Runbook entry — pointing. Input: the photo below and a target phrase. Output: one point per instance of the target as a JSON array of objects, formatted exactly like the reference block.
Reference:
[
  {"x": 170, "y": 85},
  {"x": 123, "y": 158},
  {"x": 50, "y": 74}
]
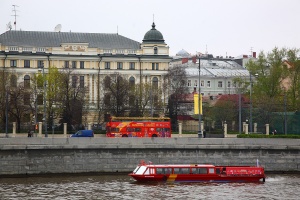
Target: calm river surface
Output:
[{"x": 123, "y": 187}]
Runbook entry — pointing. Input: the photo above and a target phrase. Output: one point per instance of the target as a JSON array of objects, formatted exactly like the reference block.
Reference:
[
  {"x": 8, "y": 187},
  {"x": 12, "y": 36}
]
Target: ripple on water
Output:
[{"x": 123, "y": 187}]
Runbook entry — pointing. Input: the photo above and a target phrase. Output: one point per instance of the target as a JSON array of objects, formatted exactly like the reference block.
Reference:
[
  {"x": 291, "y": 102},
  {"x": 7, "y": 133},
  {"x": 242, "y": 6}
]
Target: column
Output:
[
  {"x": 14, "y": 128},
  {"x": 255, "y": 128},
  {"x": 89, "y": 126},
  {"x": 233, "y": 125},
  {"x": 180, "y": 128},
  {"x": 65, "y": 129},
  {"x": 267, "y": 129},
  {"x": 225, "y": 130},
  {"x": 244, "y": 126},
  {"x": 40, "y": 128}
]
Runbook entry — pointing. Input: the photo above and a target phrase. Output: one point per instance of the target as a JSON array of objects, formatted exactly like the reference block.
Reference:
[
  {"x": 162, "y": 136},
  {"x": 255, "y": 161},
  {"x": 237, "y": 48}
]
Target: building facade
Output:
[{"x": 92, "y": 57}]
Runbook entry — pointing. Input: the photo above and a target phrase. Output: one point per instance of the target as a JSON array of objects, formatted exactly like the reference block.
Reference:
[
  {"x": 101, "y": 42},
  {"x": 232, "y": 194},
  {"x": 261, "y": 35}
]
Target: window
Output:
[
  {"x": 13, "y": 81},
  {"x": 220, "y": 84},
  {"x": 163, "y": 170},
  {"x": 81, "y": 64},
  {"x": 39, "y": 99},
  {"x": 131, "y": 82},
  {"x": 202, "y": 83},
  {"x": 119, "y": 65},
  {"x": 155, "y": 50},
  {"x": 81, "y": 82},
  {"x": 228, "y": 84},
  {"x": 208, "y": 84},
  {"x": 131, "y": 100},
  {"x": 155, "y": 66},
  {"x": 199, "y": 170},
  {"x": 26, "y": 63},
  {"x": 189, "y": 83},
  {"x": 132, "y": 65},
  {"x": 74, "y": 81},
  {"x": 13, "y": 63},
  {"x": 40, "y": 63},
  {"x": 195, "y": 83},
  {"x": 234, "y": 84},
  {"x": 107, "y": 65},
  {"x": 66, "y": 64},
  {"x": 26, "y": 98},
  {"x": 181, "y": 170},
  {"x": 155, "y": 83},
  {"x": 26, "y": 81},
  {"x": 73, "y": 64}
]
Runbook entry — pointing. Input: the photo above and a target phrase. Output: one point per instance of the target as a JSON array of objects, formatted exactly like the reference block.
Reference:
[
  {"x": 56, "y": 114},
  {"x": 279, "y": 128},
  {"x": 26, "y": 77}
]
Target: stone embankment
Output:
[{"x": 29, "y": 156}]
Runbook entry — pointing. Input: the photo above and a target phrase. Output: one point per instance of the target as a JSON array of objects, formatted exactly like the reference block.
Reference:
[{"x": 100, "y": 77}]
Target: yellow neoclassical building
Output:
[{"x": 92, "y": 56}]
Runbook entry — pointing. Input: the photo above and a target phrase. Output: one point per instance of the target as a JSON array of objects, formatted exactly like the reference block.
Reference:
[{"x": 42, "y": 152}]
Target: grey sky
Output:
[{"x": 224, "y": 26}]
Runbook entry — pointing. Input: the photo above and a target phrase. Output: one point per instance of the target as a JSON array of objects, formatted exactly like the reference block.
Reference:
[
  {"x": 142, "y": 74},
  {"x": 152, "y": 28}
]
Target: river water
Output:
[{"x": 124, "y": 187}]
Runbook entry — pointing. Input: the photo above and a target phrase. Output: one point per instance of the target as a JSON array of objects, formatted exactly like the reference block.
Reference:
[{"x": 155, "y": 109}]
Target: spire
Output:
[{"x": 153, "y": 26}]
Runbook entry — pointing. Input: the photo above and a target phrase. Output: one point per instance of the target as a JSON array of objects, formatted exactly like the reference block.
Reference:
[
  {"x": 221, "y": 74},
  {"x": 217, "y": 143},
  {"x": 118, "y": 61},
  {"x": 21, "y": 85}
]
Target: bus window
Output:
[
  {"x": 138, "y": 129},
  {"x": 130, "y": 129},
  {"x": 158, "y": 129},
  {"x": 114, "y": 129}
]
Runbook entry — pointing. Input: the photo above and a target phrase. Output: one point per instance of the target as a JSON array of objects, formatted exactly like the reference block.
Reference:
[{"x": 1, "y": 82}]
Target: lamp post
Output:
[
  {"x": 251, "y": 106},
  {"x": 250, "y": 120},
  {"x": 6, "y": 112},
  {"x": 199, "y": 109},
  {"x": 285, "y": 117},
  {"x": 45, "y": 120}
]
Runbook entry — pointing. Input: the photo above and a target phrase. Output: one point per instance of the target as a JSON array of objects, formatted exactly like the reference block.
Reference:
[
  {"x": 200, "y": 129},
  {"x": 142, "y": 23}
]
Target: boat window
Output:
[
  {"x": 152, "y": 171},
  {"x": 211, "y": 170},
  {"x": 147, "y": 172},
  {"x": 163, "y": 170},
  {"x": 218, "y": 171},
  {"x": 199, "y": 170},
  {"x": 181, "y": 170},
  {"x": 136, "y": 169},
  {"x": 141, "y": 170}
]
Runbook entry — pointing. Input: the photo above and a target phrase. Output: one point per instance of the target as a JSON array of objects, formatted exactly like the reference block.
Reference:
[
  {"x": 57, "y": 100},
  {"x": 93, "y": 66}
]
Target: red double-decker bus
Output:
[{"x": 138, "y": 127}]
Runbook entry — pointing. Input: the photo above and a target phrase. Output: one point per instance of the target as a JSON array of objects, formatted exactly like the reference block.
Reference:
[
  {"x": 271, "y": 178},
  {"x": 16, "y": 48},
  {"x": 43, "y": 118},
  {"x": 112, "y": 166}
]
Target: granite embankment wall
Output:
[{"x": 21, "y": 156}]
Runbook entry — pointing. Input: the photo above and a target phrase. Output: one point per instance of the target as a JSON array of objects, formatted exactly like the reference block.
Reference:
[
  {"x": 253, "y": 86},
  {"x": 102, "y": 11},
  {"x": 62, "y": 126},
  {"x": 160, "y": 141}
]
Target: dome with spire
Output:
[
  {"x": 183, "y": 53},
  {"x": 153, "y": 36}
]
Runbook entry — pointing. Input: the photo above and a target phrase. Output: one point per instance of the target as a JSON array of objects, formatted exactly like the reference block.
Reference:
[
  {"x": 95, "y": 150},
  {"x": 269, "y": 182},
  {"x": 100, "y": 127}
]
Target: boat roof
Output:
[{"x": 178, "y": 165}]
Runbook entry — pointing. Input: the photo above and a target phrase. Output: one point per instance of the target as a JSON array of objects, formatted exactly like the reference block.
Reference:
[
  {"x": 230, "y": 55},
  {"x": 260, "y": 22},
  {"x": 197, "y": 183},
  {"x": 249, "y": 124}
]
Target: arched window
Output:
[
  {"x": 107, "y": 81},
  {"x": 155, "y": 83},
  {"x": 155, "y": 50},
  {"x": 131, "y": 81},
  {"x": 26, "y": 81},
  {"x": 13, "y": 81}
]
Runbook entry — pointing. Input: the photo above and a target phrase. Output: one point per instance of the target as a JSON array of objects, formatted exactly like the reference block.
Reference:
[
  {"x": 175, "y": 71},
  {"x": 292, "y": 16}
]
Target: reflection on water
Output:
[{"x": 123, "y": 187}]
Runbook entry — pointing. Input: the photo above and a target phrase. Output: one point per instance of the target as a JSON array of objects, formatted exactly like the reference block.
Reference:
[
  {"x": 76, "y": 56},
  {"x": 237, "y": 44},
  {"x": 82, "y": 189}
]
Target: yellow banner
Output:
[{"x": 197, "y": 102}]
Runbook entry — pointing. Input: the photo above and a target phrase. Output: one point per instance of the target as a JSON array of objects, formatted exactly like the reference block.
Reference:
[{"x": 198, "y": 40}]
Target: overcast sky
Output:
[{"x": 222, "y": 27}]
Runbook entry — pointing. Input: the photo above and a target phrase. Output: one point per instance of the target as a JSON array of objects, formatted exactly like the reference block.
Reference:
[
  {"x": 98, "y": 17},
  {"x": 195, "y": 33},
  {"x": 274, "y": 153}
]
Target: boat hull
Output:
[{"x": 197, "y": 178}]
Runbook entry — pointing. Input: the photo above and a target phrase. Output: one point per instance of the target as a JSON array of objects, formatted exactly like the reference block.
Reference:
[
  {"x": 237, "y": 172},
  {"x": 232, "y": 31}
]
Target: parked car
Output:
[{"x": 83, "y": 133}]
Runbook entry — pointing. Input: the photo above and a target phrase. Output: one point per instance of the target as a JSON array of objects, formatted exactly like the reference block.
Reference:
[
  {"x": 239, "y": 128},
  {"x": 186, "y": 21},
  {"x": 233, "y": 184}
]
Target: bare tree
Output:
[{"x": 116, "y": 94}]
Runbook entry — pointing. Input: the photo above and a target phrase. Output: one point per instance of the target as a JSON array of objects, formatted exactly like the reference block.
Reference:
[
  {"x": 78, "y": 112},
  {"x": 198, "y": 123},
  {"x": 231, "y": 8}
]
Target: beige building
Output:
[{"x": 92, "y": 56}]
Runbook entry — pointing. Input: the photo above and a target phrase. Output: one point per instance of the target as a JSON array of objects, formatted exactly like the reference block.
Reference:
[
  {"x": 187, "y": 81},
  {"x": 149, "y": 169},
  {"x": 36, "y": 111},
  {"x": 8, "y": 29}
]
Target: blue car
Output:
[{"x": 83, "y": 133}]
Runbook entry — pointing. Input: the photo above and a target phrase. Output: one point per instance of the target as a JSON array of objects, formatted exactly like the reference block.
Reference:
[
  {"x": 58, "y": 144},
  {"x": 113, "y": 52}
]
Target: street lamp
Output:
[
  {"x": 6, "y": 112},
  {"x": 250, "y": 120},
  {"x": 199, "y": 109},
  {"x": 251, "y": 83},
  {"x": 44, "y": 118}
]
